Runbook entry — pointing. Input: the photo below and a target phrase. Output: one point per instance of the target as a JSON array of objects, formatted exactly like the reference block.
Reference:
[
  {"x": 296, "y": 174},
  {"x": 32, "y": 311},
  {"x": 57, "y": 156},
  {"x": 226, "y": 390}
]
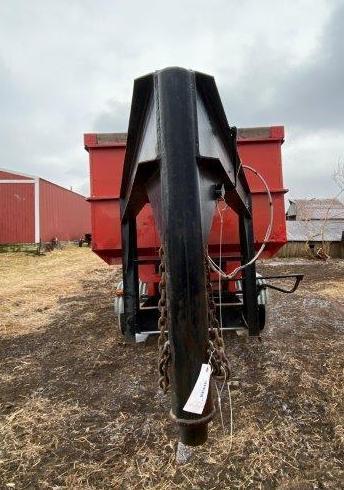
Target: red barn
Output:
[{"x": 33, "y": 209}]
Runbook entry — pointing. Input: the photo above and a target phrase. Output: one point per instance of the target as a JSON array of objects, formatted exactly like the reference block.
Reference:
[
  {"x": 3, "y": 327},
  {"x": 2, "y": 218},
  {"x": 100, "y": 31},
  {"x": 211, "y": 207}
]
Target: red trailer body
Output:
[
  {"x": 259, "y": 148},
  {"x": 33, "y": 209}
]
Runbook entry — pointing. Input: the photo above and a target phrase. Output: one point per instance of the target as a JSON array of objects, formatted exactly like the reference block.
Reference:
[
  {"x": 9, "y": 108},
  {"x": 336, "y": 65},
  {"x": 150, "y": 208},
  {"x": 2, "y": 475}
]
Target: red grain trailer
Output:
[
  {"x": 34, "y": 209},
  {"x": 187, "y": 203},
  {"x": 259, "y": 148}
]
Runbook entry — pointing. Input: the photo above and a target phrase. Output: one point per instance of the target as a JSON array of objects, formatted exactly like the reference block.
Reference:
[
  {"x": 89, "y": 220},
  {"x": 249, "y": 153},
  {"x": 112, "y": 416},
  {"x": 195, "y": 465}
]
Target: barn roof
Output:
[
  {"x": 8, "y": 175},
  {"x": 315, "y": 231},
  {"x": 315, "y": 209}
]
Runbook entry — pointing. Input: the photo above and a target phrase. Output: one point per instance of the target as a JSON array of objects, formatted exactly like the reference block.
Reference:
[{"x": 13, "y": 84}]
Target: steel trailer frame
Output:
[{"x": 181, "y": 152}]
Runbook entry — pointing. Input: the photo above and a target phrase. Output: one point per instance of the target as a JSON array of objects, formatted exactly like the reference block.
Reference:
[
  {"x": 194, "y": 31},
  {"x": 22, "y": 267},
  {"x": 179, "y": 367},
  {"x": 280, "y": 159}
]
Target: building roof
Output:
[
  {"x": 315, "y": 209},
  {"x": 8, "y": 175},
  {"x": 315, "y": 231}
]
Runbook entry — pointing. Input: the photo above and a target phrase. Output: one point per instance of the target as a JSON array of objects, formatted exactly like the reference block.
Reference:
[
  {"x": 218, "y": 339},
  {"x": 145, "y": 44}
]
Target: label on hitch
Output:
[{"x": 199, "y": 394}]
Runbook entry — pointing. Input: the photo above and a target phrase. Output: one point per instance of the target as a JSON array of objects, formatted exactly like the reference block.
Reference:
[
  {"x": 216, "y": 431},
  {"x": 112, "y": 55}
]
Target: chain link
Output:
[
  {"x": 217, "y": 357},
  {"x": 163, "y": 342}
]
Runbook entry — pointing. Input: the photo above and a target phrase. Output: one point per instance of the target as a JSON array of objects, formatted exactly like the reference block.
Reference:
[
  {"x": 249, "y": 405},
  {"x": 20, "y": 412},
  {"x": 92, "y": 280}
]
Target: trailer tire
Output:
[{"x": 119, "y": 303}]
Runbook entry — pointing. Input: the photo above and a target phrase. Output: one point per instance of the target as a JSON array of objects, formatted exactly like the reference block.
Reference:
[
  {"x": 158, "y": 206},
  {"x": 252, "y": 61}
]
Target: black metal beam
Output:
[
  {"x": 130, "y": 278},
  {"x": 215, "y": 139},
  {"x": 249, "y": 284},
  {"x": 184, "y": 247},
  {"x": 179, "y": 148}
]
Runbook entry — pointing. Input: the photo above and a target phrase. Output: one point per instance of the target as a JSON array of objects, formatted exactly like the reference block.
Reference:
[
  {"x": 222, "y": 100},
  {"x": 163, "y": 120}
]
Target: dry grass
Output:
[
  {"x": 30, "y": 433},
  {"x": 81, "y": 410},
  {"x": 334, "y": 290},
  {"x": 31, "y": 286}
]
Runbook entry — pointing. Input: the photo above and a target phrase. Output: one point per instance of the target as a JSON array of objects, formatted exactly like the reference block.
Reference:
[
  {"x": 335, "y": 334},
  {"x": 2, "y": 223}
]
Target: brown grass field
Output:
[{"x": 79, "y": 409}]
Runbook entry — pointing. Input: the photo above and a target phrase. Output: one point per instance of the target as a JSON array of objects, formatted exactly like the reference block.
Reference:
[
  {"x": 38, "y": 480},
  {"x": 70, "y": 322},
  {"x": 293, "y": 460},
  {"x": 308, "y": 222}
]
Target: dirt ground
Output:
[{"x": 79, "y": 409}]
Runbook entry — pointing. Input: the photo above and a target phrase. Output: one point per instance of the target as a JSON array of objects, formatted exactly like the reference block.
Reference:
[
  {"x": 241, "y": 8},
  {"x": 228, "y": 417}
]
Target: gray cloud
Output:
[
  {"x": 68, "y": 67},
  {"x": 115, "y": 118},
  {"x": 311, "y": 96},
  {"x": 308, "y": 95}
]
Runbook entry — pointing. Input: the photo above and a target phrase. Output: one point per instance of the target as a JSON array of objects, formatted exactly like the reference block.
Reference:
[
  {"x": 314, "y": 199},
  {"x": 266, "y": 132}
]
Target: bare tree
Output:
[
  {"x": 338, "y": 177},
  {"x": 323, "y": 252}
]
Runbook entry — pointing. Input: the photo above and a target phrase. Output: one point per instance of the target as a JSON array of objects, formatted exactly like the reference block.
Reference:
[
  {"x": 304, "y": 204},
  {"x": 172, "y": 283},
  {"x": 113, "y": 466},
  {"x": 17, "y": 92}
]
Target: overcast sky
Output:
[{"x": 67, "y": 67}]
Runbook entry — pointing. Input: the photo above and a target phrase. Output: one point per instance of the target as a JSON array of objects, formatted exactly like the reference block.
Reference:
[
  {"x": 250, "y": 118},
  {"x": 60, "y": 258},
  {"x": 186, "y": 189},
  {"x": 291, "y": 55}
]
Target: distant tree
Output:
[
  {"x": 323, "y": 252},
  {"x": 338, "y": 177}
]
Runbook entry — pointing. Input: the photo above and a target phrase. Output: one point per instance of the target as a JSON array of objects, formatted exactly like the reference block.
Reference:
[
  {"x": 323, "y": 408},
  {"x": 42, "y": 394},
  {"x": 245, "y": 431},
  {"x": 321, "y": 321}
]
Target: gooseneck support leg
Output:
[
  {"x": 184, "y": 251},
  {"x": 179, "y": 149}
]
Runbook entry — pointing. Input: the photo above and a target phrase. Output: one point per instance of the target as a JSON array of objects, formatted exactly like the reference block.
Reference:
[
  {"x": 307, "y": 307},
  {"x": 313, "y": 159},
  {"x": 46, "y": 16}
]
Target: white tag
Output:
[{"x": 199, "y": 394}]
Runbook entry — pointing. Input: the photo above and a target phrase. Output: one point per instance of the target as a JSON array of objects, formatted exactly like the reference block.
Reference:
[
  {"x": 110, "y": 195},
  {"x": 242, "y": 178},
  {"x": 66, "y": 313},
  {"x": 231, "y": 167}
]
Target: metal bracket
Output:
[{"x": 298, "y": 278}]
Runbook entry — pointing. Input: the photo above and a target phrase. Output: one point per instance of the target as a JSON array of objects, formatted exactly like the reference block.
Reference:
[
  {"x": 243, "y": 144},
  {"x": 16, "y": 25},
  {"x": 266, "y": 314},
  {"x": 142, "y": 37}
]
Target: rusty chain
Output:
[
  {"x": 217, "y": 357},
  {"x": 163, "y": 342}
]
